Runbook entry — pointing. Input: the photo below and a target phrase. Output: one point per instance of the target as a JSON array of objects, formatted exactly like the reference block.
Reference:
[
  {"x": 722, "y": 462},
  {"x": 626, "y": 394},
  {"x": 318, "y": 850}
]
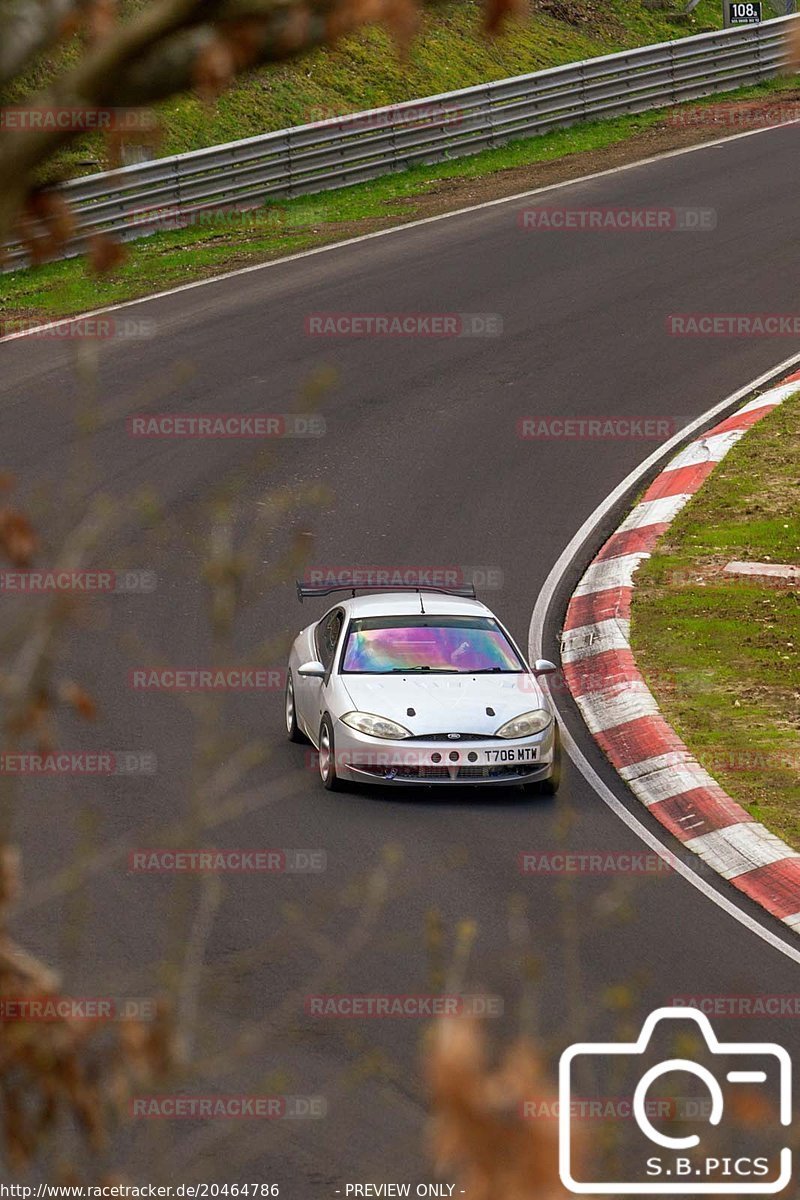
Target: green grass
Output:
[
  {"x": 720, "y": 655},
  {"x": 168, "y": 259},
  {"x": 365, "y": 70}
]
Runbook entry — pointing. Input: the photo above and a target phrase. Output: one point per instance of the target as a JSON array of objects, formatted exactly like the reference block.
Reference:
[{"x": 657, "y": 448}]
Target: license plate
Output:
[{"x": 513, "y": 754}]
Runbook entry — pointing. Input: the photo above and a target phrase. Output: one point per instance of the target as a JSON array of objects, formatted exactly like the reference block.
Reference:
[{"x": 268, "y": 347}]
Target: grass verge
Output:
[
  {"x": 720, "y": 655},
  {"x": 366, "y": 71},
  {"x": 228, "y": 241}
]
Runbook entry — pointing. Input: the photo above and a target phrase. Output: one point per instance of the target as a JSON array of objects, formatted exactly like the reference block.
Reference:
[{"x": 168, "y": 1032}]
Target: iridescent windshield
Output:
[{"x": 380, "y": 645}]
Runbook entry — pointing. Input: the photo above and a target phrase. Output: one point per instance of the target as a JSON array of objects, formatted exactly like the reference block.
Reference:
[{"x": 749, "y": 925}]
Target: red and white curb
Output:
[{"x": 622, "y": 713}]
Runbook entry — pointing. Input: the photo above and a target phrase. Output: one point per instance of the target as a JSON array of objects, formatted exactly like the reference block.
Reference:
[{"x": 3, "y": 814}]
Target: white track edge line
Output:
[
  {"x": 378, "y": 233},
  {"x": 677, "y": 864},
  {"x": 536, "y": 637}
]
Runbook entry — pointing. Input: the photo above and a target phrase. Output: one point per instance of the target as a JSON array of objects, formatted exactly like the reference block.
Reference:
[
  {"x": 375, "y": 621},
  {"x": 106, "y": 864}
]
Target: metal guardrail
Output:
[{"x": 173, "y": 192}]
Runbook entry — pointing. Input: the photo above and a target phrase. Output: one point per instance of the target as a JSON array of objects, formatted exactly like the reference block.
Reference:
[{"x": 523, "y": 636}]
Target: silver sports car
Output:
[{"x": 419, "y": 686}]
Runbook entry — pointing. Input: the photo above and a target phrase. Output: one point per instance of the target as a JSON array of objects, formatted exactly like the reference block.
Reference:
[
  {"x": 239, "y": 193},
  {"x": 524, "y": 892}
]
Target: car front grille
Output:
[
  {"x": 448, "y": 737},
  {"x": 419, "y": 774}
]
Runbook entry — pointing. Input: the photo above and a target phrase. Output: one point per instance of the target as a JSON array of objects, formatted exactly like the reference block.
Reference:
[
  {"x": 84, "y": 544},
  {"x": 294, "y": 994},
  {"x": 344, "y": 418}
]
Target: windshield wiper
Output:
[{"x": 410, "y": 670}]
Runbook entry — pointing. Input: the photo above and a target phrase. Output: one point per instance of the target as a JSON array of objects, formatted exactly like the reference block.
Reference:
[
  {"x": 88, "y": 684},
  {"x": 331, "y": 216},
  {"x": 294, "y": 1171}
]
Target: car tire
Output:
[
  {"x": 549, "y": 786},
  {"x": 293, "y": 730},
  {"x": 327, "y": 756}
]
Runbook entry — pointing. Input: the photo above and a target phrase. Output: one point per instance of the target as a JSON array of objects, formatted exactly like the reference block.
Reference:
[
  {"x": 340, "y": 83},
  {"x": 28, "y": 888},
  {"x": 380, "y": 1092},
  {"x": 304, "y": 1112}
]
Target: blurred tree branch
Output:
[
  {"x": 30, "y": 27},
  {"x": 169, "y": 47}
]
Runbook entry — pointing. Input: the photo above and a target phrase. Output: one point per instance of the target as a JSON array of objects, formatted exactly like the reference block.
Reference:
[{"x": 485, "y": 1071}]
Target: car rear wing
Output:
[{"x": 305, "y": 592}]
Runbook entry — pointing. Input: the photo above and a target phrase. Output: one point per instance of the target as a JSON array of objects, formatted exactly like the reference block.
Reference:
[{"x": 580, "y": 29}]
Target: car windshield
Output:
[{"x": 440, "y": 645}]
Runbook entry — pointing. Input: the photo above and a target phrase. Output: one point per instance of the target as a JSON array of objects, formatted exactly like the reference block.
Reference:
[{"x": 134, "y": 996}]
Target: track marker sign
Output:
[{"x": 743, "y": 12}]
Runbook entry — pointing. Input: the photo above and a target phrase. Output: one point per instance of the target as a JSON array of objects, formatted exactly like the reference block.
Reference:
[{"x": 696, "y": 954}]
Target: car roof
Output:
[{"x": 407, "y": 604}]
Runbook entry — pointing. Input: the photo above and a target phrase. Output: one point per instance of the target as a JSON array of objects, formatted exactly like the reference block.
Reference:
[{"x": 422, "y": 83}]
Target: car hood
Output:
[{"x": 445, "y": 703}]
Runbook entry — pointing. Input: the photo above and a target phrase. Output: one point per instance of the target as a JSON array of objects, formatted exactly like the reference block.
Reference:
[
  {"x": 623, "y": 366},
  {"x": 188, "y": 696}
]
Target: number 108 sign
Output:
[{"x": 743, "y": 13}]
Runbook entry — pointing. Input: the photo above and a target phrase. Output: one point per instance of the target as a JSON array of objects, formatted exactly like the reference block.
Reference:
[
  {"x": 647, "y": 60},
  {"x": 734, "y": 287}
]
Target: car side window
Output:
[{"x": 327, "y": 636}]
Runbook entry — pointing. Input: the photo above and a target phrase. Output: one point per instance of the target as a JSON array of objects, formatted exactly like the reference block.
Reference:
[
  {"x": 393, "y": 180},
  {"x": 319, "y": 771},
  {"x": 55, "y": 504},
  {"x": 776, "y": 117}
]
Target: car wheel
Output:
[
  {"x": 293, "y": 731},
  {"x": 327, "y": 756},
  {"x": 549, "y": 787}
]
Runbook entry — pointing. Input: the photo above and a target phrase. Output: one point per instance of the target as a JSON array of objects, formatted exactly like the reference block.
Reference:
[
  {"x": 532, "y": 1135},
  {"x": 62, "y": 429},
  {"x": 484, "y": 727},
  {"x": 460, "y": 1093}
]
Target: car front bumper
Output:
[{"x": 441, "y": 761}]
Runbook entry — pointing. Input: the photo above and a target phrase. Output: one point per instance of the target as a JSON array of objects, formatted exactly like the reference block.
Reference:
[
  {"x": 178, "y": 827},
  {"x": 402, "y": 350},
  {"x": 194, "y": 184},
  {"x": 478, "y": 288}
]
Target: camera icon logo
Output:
[{"x": 687, "y": 1164}]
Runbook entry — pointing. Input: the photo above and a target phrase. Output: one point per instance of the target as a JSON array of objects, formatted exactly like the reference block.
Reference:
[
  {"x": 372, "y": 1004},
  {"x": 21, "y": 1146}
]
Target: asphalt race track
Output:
[{"x": 423, "y": 467}]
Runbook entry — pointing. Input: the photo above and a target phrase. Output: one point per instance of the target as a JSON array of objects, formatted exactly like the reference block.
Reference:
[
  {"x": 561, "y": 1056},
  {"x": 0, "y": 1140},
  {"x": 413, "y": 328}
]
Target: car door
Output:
[{"x": 326, "y": 639}]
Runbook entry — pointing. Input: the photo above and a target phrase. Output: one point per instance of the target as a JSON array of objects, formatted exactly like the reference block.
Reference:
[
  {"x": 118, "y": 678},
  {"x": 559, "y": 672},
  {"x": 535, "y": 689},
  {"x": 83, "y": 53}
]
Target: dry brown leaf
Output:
[
  {"x": 61, "y": 1068},
  {"x": 245, "y": 39},
  {"x": 79, "y": 699},
  {"x": 25, "y": 229},
  {"x": 101, "y": 20},
  {"x": 296, "y": 28},
  {"x": 10, "y": 874},
  {"x": 750, "y": 1106},
  {"x": 70, "y": 24},
  {"x": 59, "y": 218},
  {"x": 105, "y": 253},
  {"x": 213, "y": 70},
  {"x": 794, "y": 45},
  {"x": 478, "y": 1129},
  {"x": 45, "y": 224},
  {"x": 349, "y": 14},
  {"x": 18, "y": 539},
  {"x": 402, "y": 19},
  {"x": 499, "y": 11}
]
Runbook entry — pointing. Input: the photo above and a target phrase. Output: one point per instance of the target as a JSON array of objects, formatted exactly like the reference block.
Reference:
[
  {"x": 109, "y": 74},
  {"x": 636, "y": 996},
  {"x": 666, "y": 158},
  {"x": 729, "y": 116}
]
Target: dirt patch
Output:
[{"x": 572, "y": 12}]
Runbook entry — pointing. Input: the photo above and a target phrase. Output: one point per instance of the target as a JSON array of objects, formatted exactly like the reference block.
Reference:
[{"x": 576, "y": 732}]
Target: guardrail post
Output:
[
  {"x": 176, "y": 174},
  {"x": 393, "y": 131},
  {"x": 488, "y": 101},
  {"x": 760, "y": 51}
]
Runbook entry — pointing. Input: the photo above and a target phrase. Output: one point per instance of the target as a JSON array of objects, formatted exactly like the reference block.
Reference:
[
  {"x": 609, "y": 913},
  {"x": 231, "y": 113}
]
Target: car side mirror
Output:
[
  {"x": 312, "y": 670},
  {"x": 543, "y": 666}
]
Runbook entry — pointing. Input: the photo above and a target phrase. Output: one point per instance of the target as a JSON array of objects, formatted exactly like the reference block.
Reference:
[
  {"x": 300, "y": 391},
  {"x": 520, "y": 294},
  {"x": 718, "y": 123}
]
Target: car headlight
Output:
[
  {"x": 380, "y": 727},
  {"x": 526, "y": 725}
]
